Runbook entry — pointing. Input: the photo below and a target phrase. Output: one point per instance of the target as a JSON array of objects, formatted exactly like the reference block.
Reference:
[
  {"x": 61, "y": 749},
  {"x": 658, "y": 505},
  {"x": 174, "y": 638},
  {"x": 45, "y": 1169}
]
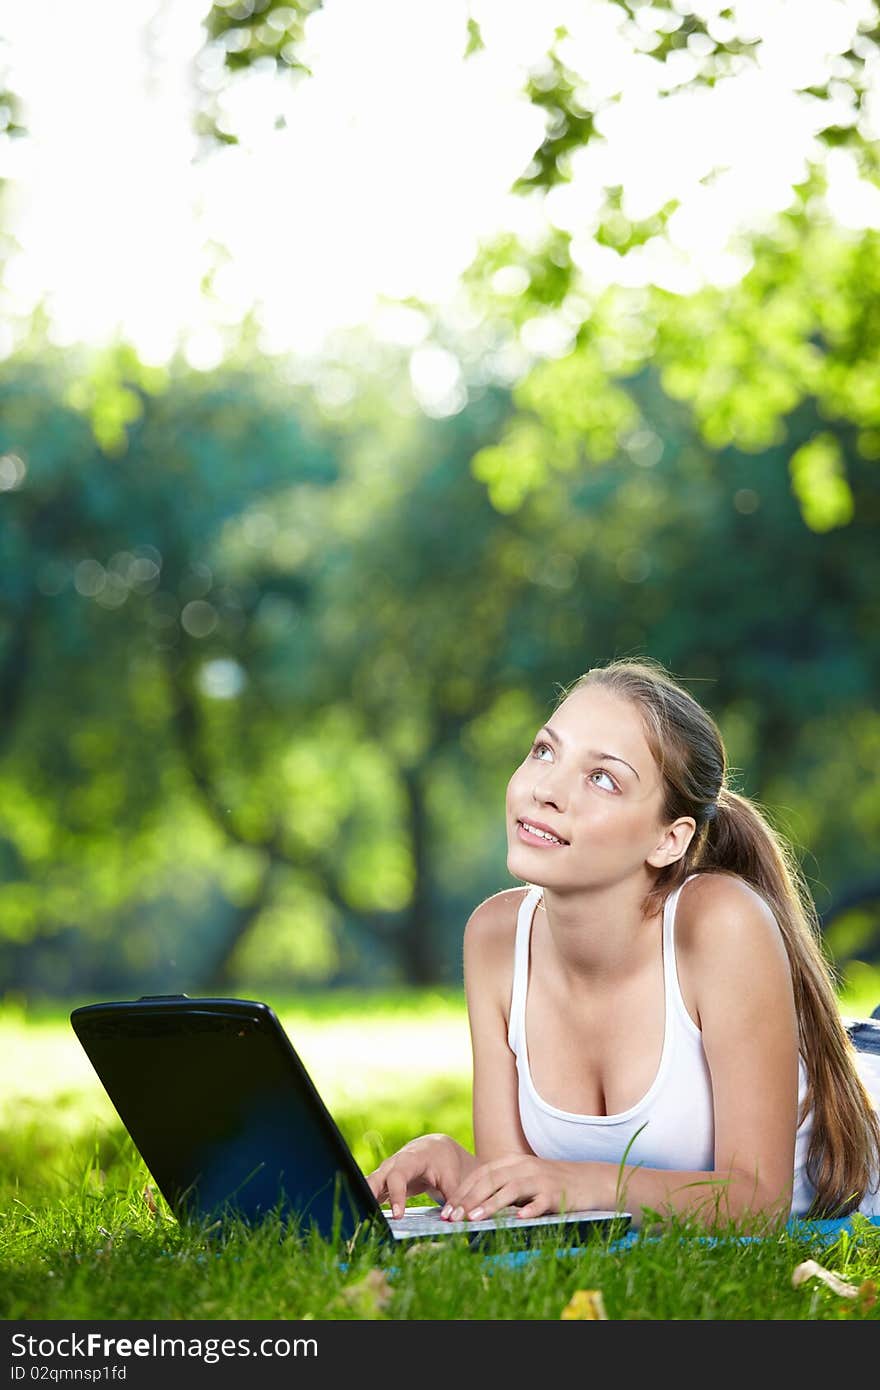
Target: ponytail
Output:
[
  {"x": 738, "y": 839},
  {"x": 844, "y": 1148}
]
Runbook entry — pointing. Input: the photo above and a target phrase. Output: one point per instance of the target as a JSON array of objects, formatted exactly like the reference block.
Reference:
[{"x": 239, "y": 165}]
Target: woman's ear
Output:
[{"x": 674, "y": 843}]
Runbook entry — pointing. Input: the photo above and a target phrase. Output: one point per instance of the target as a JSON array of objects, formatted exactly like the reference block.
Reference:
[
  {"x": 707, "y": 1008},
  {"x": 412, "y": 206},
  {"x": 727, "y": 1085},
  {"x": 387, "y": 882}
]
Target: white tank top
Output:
[{"x": 672, "y": 1126}]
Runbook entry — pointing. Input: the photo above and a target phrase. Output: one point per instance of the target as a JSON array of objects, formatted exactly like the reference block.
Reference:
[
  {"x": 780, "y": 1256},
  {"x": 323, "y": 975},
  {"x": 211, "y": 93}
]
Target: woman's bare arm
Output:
[
  {"x": 436, "y": 1163},
  {"x": 488, "y": 976},
  {"x": 732, "y": 949}
]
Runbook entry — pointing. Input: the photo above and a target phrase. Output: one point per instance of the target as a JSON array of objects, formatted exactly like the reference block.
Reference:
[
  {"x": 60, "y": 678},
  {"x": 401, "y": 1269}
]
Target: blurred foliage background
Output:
[{"x": 269, "y": 654}]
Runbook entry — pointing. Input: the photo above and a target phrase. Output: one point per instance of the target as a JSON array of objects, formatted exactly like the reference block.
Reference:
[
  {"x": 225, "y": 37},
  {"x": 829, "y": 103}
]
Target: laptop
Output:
[{"x": 229, "y": 1123}]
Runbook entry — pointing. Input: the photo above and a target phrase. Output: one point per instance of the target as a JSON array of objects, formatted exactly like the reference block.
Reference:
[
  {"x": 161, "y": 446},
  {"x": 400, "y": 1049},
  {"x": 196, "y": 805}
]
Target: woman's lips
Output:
[{"x": 529, "y": 839}]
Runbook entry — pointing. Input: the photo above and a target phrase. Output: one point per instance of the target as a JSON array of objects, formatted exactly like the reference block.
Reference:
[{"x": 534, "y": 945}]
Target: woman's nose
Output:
[{"x": 546, "y": 789}]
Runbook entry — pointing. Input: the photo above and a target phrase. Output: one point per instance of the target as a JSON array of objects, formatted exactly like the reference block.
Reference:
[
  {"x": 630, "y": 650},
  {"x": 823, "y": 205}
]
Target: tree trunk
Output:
[
  {"x": 416, "y": 951},
  {"x": 217, "y": 975}
]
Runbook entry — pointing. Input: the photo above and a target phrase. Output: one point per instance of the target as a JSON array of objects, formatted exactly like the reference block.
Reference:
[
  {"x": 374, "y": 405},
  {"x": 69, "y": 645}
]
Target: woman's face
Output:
[{"x": 595, "y": 786}]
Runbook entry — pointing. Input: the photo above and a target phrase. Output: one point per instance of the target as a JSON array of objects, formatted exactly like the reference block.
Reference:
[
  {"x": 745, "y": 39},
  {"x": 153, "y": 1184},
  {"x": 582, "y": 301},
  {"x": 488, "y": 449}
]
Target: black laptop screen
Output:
[{"x": 222, "y": 1112}]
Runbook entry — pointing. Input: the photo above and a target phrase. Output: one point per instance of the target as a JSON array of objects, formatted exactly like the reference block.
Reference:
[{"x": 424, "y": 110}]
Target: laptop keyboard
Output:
[{"x": 425, "y": 1221}]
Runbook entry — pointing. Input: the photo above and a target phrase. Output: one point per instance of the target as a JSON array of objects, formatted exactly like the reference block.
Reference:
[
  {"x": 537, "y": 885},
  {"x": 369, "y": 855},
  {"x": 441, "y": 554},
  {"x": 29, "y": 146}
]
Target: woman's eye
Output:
[
  {"x": 538, "y": 747},
  {"x": 600, "y": 772}
]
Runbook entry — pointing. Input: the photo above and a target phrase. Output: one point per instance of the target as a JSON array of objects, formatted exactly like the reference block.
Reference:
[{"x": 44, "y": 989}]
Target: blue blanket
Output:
[{"x": 826, "y": 1232}]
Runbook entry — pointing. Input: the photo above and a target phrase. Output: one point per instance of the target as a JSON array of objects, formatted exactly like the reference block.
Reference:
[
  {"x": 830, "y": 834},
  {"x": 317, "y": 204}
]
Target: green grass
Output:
[{"x": 78, "y": 1240}]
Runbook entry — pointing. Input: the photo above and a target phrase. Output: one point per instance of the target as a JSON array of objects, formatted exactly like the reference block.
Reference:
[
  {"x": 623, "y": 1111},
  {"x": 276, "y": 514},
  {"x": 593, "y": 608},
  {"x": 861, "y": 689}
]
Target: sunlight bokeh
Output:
[{"x": 373, "y": 179}]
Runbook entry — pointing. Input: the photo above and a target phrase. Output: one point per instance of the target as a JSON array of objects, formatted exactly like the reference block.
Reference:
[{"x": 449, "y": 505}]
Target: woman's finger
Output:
[
  {"x": 398, "y": 1167},
  {"x": 539, "y": 1206},
  {"x": 481, "y": 1183},
  {"x": 397, "y": 1189},
  {"x": 477, "y": 1185},
  {"x": 503, "y": 1196}
]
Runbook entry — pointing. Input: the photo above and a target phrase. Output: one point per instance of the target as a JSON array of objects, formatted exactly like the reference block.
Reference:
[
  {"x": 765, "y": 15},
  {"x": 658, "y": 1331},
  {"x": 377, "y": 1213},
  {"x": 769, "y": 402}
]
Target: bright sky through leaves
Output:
[{"x": 394, "y": 158}]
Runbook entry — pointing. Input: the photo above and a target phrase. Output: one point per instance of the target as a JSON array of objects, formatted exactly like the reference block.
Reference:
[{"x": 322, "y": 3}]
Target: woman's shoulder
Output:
[
  {"x": 718, "y": 912},
  {"x": 489, "y": 940},
  {"x": 491, "y": 926}
]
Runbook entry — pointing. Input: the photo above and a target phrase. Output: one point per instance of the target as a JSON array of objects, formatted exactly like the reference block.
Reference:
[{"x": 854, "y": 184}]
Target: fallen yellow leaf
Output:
[
  {"x": 811, "y": 1269},
  {"x": 586, "y": 1304}
]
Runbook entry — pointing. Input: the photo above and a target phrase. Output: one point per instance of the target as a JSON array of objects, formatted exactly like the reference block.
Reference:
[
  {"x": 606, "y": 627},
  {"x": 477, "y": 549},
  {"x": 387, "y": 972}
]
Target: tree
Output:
[
  {"x": 276, "y": 685},
  {"x": 264, "y": 675},
  {"x": 796, "y": 327}
]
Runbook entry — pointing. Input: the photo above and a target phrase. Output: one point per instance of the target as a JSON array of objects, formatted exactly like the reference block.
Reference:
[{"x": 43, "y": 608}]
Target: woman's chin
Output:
[{"x": 521, "y": 865}]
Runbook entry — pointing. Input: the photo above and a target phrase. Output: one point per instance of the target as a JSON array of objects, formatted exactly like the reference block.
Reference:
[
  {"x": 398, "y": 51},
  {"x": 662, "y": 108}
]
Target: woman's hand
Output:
[
  {"x": 434, "y": 1163},
  {"x": 537, "y": 1185}
]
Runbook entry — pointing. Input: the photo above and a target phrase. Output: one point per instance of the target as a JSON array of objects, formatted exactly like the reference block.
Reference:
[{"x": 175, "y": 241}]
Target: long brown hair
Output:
[{"x": 734, "y": 836}]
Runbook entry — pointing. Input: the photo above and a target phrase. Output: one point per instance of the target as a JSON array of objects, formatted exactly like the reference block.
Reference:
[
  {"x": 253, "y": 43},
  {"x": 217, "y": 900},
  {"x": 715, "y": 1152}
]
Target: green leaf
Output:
[
  {"x": 818, "y": 479},
  {"x": 475, "y": 38}
]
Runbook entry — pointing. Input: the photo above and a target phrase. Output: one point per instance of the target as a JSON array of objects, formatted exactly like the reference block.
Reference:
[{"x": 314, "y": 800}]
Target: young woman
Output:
[{"x": 654, "y": 1026}]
